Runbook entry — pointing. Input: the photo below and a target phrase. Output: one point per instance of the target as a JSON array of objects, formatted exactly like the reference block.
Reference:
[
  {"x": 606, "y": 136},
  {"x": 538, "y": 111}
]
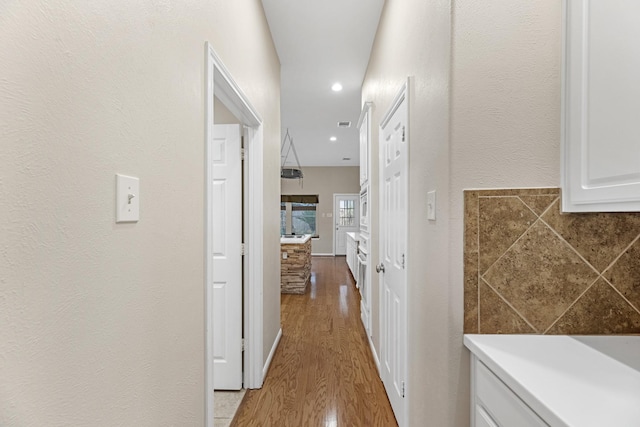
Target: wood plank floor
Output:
[{"x": 323, "y": 373}]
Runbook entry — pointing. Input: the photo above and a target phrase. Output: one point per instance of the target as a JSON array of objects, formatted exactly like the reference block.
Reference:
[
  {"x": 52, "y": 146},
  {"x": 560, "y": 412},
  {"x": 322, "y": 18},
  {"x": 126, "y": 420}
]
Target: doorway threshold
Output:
[{"x": 225, "y": 406}]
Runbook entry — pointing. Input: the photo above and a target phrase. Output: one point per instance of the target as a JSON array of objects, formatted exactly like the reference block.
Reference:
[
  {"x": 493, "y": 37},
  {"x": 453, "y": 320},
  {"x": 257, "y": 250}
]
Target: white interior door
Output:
[
  {"x": 227, "y": 258},
  {"x": 346, "y": 219},
  {"x": 393, "y": 244}
]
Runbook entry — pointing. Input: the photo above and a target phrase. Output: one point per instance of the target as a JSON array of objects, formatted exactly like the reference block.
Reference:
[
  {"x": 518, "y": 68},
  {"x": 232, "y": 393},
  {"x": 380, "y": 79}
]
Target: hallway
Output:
[{"x": 323, "y": 373}]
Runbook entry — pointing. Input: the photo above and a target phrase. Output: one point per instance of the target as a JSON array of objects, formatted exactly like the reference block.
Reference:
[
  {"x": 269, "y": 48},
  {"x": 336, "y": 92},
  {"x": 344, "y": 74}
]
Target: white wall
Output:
[
  {"x": 222, "y": 115},
  {"x": 413, "y": 39},
  {"x": 103, "y": 323},
  {"x": 496, "y": 65},
  {"x": 505, "y": 121}
]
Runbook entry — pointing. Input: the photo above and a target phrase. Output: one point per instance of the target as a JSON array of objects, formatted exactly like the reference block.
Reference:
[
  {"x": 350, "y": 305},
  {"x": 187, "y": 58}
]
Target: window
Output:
[
  {"x": 303, "y": 214},
  {"x": 347, "y": 213},
  {"x": 303, "y": 218}
]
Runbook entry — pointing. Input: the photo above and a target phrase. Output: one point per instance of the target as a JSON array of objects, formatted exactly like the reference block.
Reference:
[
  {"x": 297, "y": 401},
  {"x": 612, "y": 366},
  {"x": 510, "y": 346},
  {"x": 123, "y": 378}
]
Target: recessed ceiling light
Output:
[
  {"x": 337, "y": 87},
  {"x": 333, "y": 138}
]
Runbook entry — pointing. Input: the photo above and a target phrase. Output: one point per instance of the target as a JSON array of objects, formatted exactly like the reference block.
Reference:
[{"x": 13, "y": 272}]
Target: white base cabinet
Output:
[
  {"x": 494, "y": 404},
  {"x": 554, "y": 380},
  {"x": 352, "y": 254}
]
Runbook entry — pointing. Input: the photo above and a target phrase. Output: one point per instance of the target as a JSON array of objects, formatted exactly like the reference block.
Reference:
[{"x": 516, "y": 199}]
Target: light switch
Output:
[
  {"x": 431, "y": 205},
  {"x": 127, "y": 198}
]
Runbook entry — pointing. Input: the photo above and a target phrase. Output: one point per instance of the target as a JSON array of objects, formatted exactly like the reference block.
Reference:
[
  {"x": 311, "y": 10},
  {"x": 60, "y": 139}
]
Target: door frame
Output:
[
  {"x": 402, "y": 95},
  {"x": 219, "y": 83},
  {"x": 335, "y": 218}
]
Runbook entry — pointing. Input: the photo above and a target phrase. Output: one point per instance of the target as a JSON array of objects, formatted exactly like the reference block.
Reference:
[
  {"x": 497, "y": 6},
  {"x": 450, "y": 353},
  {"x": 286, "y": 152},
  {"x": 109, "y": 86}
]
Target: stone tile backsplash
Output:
[{"x": 528, "y": 268}]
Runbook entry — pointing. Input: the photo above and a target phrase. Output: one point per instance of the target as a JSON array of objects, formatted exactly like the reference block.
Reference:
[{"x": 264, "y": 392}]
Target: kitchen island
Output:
[{"x": 295, "y": 263}]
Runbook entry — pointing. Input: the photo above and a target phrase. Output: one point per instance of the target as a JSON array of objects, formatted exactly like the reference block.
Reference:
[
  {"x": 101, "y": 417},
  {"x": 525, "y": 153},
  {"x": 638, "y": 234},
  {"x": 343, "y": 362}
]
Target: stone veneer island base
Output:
[{"x": 295, "y": 269}]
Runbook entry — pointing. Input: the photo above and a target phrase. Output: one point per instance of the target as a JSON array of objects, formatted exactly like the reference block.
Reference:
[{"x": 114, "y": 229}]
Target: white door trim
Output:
[
  {"x": 402, "y": 95},
  {"x": 335, "y": 218},
  {"x": 219, "y": 83}
]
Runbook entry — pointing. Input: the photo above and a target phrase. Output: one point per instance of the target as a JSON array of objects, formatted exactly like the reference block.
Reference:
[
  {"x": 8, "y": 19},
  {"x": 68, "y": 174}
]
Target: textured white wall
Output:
[
  {"x": 413, "y": 39},
  {"x": 222, "y": 115},
  {"x": 496, "y": 64},
  {"x": 505, "y": 118},
  {"x": 103, "y": 323}
]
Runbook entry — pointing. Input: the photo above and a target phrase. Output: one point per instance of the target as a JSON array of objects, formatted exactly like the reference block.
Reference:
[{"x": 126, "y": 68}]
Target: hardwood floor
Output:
[{"x": 323, "y": 373}]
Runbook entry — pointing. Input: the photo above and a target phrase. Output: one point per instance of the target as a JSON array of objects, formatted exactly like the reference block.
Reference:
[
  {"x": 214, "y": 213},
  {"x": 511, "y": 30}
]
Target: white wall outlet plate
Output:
[
  {"x": 431, "y": 205},
  {"x": 127, "y": 198}
]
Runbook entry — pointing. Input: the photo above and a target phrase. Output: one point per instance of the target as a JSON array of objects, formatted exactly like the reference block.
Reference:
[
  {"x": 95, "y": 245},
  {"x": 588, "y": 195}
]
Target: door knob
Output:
[{"x": 380, "y": 267}]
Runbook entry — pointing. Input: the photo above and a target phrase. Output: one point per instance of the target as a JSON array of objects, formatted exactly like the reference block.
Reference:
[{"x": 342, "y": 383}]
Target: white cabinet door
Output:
[
  {"x": 350, "y": 250},
  {"x": 393, "y": 243},
  {"x": 483, "y": 419},
  {"x": 227, "y": 258},
  {"x": 364, "y": 147},
  {"x": 601, "y": 106},
  {"x": 495, "y": 402}
]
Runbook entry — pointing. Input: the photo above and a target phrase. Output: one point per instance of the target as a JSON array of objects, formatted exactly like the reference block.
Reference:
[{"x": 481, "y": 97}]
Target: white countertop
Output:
[
  {"x": 353, "y": 234},
  {"x": 297, "y": 239},
  {"x": 578, "y": 381}
]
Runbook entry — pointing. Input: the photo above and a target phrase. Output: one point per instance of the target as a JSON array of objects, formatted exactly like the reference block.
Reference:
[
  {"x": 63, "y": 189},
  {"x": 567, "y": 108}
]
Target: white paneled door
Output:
[
  {"x": 227, "y": 258},
  {"x": 346, "y": 216},
  {"x": 393, "y": 245}
]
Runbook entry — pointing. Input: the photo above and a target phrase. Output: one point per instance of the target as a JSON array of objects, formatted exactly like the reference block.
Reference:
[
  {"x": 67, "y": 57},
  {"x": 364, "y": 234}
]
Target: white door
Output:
[
  {"x": 393, "y": 244},
  {"x": 346, "y": 219},
  {"x": 227, "y": 258}
]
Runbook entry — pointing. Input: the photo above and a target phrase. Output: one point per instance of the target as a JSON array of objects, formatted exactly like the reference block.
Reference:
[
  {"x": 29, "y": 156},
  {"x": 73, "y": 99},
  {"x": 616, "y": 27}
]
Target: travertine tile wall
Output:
[{"x": 530, "y": 269}]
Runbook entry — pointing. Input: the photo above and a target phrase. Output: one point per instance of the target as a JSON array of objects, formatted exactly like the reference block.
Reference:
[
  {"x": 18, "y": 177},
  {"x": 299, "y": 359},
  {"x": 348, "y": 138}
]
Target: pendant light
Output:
[{"x": 285, "y": 149}]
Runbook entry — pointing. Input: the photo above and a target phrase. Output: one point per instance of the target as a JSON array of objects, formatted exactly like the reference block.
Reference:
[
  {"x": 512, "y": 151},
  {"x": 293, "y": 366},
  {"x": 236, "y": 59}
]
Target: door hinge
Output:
[
  {"x": 243, "y": 154},
  {"x": 242, "y": 344},
  {"x": 403, "y": 261},
  {"x": 402, "y": 133},
  {"x": 402, "y": 388},
  {"x": 243, "y": 249}
]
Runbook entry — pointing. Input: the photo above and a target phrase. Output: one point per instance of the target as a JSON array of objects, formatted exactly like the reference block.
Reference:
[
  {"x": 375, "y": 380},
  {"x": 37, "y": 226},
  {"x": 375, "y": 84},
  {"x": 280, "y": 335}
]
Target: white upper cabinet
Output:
[
  {"x": 365, "y": 134},
  {"x": 601, "y": 106}
]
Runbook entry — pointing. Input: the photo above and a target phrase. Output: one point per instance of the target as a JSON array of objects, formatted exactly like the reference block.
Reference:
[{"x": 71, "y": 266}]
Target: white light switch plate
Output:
[
  {"x": 127, "y": 198},
  {"x": 431, "y": 205}
]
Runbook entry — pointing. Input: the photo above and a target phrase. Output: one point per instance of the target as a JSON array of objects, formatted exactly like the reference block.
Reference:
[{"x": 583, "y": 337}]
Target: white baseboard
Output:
[
  {"x": 312, "y": 254},
  {"x": 271, "y": 353},
  {"x": 376, "y": 359}
]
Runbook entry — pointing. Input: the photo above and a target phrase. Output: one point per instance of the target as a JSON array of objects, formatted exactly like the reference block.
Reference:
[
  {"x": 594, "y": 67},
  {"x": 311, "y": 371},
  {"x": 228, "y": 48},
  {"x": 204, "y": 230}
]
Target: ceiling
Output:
[{"x": 320, "y": 43}]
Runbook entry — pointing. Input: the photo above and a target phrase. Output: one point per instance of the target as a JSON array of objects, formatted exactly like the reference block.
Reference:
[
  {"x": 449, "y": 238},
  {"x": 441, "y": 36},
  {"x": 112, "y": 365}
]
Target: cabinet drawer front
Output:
[{"x": 501, "y": 404}]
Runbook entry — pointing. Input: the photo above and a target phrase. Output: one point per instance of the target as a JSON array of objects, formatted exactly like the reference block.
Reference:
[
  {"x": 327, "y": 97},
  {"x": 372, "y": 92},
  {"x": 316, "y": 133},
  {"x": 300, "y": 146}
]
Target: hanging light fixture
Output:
[{"x": 285, "y": 149}]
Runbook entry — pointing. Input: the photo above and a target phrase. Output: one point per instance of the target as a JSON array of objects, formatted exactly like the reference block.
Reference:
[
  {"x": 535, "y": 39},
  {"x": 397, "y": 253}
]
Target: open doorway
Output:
[{"x": 221, "y": 86}]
